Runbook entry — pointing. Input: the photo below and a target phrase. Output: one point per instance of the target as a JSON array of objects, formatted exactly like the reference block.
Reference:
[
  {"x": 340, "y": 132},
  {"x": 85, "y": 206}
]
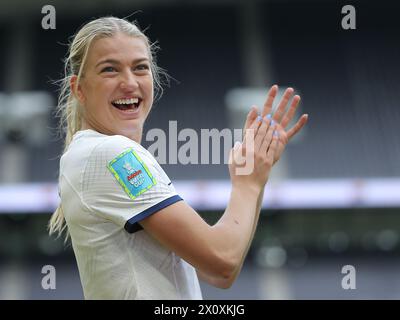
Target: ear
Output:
[{"x": 76, "y": 89}]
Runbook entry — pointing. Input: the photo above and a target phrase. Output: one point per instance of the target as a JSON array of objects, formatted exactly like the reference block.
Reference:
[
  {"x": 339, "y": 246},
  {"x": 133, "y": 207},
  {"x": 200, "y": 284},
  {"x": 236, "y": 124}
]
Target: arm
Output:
[
  {"x": 258, "y": 211},
  {"x": 218, "y": 250},
  {"x": 282, "y": 120},
  {"x": 226, "y": 283}
]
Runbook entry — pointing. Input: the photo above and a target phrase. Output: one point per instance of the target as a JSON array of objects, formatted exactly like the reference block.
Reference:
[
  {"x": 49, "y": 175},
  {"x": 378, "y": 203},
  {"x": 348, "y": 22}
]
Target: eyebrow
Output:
[{"x": 113, "y": 61}]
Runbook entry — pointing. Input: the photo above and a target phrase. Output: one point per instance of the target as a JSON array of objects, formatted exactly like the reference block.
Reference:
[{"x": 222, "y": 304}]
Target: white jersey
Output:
[{"x": 108, "y": 184}]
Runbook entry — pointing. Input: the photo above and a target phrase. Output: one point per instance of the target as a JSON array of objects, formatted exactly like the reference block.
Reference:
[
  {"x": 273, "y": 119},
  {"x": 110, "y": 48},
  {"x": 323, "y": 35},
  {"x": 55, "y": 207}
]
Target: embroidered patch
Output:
[{"x": 131, "y": 173}]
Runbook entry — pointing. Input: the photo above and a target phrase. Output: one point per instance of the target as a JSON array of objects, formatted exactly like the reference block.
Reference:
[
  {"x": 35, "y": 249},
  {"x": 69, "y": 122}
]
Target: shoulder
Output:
[
  {"x": 112, "y": 147},
  {"x": 117, "y": 143},
  {"x": 91, "y": 152},
  {"x": 122, "y": 156}
]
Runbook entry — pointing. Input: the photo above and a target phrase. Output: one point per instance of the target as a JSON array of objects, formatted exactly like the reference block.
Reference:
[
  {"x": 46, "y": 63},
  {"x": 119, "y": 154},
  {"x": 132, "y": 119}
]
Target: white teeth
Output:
[
  {"x": 129, "y": 110},
  {"x": 127, "y": 101}
]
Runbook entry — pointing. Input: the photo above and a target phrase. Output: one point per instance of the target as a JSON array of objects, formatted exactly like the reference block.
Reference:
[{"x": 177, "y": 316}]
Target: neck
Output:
[{"x": 137, "y": 136}]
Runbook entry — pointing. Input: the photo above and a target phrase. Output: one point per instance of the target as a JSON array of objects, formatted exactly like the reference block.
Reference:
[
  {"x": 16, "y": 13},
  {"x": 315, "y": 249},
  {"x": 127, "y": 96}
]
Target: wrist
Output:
[{"x": 246, "y": 190}]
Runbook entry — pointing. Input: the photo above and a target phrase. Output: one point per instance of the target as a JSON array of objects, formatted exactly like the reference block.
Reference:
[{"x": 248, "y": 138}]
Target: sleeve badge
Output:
[{"x": 131, "y": 173}]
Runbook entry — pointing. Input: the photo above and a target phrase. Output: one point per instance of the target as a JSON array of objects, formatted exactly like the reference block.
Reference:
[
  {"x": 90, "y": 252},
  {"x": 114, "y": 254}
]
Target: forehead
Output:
[{"x": 119, "y": 47}]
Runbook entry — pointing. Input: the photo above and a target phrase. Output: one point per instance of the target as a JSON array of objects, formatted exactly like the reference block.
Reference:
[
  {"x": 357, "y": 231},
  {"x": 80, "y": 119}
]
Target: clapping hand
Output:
[{"x": 282, "y": 117}]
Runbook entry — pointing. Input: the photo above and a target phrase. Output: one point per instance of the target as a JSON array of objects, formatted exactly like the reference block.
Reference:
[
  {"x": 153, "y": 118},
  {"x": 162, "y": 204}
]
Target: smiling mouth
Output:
[{"x": 127, "y": 104}]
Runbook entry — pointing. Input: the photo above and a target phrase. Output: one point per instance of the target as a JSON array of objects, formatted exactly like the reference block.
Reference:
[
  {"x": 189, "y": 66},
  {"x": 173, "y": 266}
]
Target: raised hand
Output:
[
  {"x": 282, "y": 117},
  {"x": 256, "y": 153}
]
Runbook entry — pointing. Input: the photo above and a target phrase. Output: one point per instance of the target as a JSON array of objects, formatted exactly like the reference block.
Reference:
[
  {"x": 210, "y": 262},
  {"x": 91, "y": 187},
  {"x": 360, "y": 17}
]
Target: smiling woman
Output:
[
  {"x": 133, "y": 236},
  {"x": 116, "y": 84}
]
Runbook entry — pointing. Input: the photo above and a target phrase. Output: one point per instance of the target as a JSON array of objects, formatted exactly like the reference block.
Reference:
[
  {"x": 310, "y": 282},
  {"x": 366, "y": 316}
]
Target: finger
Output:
[
  {"x": 290, "y": 113},
  {"x": 273, "y": 147},
  {"x": 298, "y": 126},
  {"x": 267, "y": 139},
  {"x": 262, "y": 132},
  {"x": 282, "y": 104},
  {"x": 251, "y": 131},
  {"x": 251, "y": 116},
  {"x": 270, "y": 99}
]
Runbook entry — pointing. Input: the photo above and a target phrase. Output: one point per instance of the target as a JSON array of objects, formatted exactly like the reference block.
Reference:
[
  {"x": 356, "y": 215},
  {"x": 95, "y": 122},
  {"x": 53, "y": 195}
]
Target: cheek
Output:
[
  {"x": 96, "y": 92},
  {"x": 87, "y": 92}
]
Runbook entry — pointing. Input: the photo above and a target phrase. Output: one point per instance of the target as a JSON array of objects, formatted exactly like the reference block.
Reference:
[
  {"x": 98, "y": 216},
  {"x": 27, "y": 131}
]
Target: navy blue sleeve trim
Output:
[{"x": 132, "y": 224}]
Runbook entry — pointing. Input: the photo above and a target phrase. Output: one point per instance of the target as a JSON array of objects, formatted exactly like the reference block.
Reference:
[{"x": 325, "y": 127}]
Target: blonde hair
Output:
[{"x": 68, "y": 109}]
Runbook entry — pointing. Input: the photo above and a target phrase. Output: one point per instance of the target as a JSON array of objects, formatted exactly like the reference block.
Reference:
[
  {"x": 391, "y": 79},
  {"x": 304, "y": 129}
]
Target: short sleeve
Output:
[{"x": 122, "y": 182}]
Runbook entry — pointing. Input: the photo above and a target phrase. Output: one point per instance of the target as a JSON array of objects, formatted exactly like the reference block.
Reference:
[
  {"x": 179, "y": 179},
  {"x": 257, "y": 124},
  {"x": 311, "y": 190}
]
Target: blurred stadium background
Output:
[{"x": 334, "y": 198}]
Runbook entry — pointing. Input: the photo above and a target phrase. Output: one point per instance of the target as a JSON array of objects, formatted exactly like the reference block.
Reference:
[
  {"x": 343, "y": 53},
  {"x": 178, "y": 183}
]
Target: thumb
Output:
[{"x": 233, "y": 152}]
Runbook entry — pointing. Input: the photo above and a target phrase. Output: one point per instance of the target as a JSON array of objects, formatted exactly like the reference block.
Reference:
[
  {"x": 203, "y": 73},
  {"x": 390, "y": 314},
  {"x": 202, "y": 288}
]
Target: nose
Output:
[{"x": 129, "y": 82}]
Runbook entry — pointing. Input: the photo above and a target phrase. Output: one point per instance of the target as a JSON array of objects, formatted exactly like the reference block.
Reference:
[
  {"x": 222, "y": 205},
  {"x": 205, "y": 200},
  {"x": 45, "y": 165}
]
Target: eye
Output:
[
  {"x": 142, "y": 67},
  {"x": 108, "y": 69}
]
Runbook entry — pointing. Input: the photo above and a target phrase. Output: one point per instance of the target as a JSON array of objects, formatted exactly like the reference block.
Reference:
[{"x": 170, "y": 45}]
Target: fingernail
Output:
[
  {"x": 276, "y": 133},
  {"x": 259, "y": 118},
  {"x": 269, "y": 116},
  {"x": 272, "y": 122}
]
